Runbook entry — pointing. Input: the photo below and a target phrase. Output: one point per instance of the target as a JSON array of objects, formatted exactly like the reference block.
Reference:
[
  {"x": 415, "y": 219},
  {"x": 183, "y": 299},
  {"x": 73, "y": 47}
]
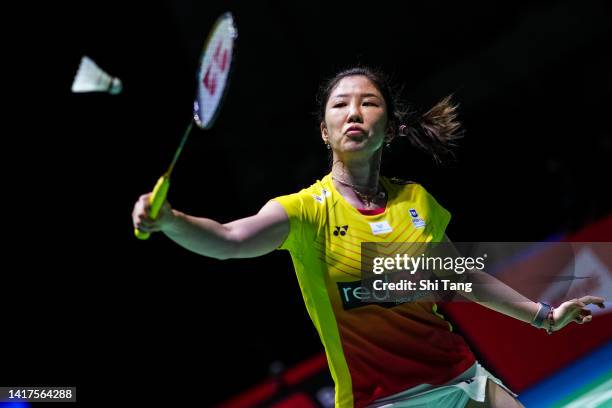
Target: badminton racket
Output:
[{"x": 215, "y": 67}]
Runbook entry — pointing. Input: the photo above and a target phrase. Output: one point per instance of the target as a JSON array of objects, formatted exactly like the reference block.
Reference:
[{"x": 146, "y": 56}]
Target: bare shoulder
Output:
[{"x": 274, "y": 209}]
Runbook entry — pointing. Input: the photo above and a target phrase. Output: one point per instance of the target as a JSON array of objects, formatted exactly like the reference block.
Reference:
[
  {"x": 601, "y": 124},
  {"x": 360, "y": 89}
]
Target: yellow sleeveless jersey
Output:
[{"x": 372, "y": 351}]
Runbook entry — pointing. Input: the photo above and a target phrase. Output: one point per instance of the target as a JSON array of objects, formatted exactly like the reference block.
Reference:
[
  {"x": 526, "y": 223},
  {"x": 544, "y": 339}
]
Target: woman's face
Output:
[{"x": 355, "y": 117}]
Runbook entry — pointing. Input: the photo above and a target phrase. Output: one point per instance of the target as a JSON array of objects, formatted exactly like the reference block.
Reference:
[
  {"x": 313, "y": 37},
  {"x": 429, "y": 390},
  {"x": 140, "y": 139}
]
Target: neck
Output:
[{"x": 360, "y": 172}]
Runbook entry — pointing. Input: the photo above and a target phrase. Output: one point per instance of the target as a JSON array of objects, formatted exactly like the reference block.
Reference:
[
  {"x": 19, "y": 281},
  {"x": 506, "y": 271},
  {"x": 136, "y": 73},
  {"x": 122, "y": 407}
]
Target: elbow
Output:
[
  {"x": 225, "y": 255},
  {"x": 230, "y": 248},
  {"x": 222, "y": 257}
]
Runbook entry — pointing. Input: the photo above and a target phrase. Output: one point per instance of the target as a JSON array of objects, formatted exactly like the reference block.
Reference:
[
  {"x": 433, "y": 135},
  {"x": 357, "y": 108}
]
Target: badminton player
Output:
[{"x": 402, "y": 356}]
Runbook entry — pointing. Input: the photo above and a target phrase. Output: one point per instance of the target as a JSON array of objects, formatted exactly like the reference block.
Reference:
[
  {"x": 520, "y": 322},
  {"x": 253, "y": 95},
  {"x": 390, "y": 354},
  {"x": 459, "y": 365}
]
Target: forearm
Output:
[
  {"x": 494, "y": 294},
  {"x": 200, "y": 235}
]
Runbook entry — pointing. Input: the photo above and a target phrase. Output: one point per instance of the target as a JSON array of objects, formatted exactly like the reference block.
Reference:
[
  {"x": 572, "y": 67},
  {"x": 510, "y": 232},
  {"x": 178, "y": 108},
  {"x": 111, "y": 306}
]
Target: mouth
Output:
[{"x": 354, "y": 131}]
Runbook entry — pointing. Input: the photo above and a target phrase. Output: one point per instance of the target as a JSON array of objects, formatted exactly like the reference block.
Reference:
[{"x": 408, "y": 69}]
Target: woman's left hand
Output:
[{"x": 575, "y": 311}]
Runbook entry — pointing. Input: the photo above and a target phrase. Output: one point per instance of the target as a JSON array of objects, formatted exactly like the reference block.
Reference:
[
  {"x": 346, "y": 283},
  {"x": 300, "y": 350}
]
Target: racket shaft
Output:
[
  {"x": 179, "y": 150},
  {"x": 156, "y": 201}
]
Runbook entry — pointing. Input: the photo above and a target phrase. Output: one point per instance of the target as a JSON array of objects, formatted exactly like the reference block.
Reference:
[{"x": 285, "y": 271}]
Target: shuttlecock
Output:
[{"x": 90, "y": 78}]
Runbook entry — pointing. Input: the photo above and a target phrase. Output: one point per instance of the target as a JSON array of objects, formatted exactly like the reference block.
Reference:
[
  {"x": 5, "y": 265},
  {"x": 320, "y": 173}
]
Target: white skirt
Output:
[{"x": 471, "y": 384}]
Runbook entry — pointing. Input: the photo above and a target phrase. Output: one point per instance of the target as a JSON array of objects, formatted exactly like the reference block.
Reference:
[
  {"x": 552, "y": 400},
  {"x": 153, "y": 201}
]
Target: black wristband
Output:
[{"x": 542, "y": 315}]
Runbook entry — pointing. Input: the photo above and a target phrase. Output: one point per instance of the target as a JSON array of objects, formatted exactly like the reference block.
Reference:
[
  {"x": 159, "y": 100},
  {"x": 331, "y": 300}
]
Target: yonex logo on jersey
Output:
[
  {"x": 417, "y": 221},
  {"x": 341, "y": 230},
  {"x": 381, "y": 227}
]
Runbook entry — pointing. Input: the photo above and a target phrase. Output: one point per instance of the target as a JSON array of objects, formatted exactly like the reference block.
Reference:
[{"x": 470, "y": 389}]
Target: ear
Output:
[{"x": 324, "y": 133}]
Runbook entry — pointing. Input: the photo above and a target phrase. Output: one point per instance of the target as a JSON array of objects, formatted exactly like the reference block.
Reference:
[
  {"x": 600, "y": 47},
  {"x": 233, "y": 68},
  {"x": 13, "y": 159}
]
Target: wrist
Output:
[
  {"x": 171, "y": 221},
  {"x": 545, "y": 318},
  {"x": 549, "y": 325},
  {"x": 540, "y": 319}
]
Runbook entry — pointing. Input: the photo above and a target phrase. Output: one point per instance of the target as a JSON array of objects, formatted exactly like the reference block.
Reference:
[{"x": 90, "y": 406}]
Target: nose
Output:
[{"x": 354, "y": 114}]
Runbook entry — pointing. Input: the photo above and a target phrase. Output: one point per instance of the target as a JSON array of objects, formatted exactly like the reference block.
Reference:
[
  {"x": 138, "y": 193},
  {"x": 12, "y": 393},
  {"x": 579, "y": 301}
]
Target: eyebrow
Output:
[{"x": 364, "y": 95}]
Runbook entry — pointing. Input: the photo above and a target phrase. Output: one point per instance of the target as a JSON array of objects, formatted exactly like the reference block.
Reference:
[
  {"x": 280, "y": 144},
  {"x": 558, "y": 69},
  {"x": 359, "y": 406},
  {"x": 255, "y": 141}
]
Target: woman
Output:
[{"x": 400, "y": 356}]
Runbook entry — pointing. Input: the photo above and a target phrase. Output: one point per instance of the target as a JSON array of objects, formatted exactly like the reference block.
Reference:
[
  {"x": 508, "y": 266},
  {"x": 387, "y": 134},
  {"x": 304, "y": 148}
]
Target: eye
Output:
[
  {"x": 339, "y": 105},
  {"x": 368, "y": 103}
]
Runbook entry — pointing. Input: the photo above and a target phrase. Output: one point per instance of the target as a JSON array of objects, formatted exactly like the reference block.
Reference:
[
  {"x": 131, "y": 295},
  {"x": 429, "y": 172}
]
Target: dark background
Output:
[{"x": 91, "y": 306}]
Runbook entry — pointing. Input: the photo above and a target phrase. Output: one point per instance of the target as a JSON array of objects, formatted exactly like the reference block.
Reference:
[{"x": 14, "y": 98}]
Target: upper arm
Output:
[{"x": 261, "y": 233}]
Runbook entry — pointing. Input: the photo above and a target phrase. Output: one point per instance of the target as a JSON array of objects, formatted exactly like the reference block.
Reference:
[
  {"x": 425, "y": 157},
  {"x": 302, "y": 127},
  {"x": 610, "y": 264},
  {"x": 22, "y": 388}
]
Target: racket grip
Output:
[{"x": 156, "y": 200}]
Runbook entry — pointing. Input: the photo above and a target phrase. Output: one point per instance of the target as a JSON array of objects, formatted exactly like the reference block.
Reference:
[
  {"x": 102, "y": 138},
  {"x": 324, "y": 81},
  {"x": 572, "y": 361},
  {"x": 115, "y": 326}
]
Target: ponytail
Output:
[{"x": 434, "y": 131}]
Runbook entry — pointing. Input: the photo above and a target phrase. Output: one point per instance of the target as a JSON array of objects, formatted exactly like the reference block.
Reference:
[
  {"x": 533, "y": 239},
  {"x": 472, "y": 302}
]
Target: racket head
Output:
[{"x": 214, "y": 71}]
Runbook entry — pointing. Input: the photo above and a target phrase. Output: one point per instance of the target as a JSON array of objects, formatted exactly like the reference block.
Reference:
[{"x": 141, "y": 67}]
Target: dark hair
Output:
[{"x": 433, "y": 131}]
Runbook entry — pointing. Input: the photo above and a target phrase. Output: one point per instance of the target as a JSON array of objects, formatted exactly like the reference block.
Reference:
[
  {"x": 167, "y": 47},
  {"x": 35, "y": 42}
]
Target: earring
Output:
[{"x": 328, "y": 145}]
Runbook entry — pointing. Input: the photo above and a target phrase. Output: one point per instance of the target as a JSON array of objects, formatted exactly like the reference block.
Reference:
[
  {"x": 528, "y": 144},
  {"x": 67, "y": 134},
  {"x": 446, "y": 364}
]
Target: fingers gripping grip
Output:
[{"x": 156, "y": 200}]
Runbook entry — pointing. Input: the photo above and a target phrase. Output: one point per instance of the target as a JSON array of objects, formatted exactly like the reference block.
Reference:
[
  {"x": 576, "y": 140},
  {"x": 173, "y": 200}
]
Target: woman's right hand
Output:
[{"x": 141, "y": 216}]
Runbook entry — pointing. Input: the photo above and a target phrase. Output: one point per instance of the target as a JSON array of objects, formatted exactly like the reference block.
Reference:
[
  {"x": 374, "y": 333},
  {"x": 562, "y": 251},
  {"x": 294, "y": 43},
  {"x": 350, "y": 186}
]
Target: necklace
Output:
[{"x": 367, "y": 199}]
